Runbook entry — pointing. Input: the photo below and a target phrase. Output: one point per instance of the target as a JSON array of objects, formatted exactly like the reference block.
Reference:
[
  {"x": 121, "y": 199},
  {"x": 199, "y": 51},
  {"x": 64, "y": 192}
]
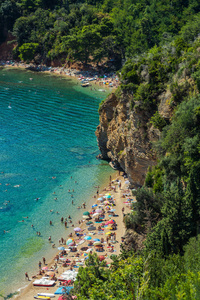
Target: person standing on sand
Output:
[
  {"x": 40, "y": 265},
  {"x": 26, "y": 276},
  {"x": 44, "y": 260},
  {"x": 123, "y": 211}
]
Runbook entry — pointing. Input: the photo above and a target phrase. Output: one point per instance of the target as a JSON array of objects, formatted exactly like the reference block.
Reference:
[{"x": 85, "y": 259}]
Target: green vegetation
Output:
[
  {"x": 95, "y": 31},
  {"x": 167, "y": 211}
]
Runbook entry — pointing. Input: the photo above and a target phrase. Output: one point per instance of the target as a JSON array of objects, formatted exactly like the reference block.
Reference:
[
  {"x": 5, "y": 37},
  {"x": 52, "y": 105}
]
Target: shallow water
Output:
[{"x": 48, "y": 146}]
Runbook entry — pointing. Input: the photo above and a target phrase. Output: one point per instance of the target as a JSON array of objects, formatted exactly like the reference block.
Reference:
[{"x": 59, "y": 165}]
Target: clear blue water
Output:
[{"x": 46, "y": 137}]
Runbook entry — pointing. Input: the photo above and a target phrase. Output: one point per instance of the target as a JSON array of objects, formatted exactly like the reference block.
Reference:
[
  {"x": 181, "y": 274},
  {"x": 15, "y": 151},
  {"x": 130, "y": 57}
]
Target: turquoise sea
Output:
[{"x": 47, "y": 146}]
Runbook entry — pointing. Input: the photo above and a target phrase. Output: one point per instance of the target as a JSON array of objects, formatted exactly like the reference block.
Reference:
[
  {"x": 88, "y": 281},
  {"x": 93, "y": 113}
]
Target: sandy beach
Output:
[
  {"x": 88, "y": 79},
  {"x": 117, "y": 191}
]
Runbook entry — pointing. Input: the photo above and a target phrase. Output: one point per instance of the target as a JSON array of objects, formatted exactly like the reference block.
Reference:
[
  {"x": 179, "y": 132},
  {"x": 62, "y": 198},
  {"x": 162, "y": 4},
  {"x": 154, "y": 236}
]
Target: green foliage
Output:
[
  {"x": 191, "y": 255},
  {"x": 179, "y": 92},
  {"x": 123, "y": 29},
  {"x": 27, "y": 51},
  {"x": 176, "y": 178},
  {"x": 149, "y": 179},
  {"x": 158, "y": 121},
  {"x": 130, "y": 221},
  {"x": 121, "y": 281},
  {"x": 101, "y": 103},
  {"x": 146, "y": 209}
]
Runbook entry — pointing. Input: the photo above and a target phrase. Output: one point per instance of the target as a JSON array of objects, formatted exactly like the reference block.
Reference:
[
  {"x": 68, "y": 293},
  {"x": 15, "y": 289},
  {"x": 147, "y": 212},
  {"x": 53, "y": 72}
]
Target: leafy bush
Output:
[
  {"x": 27, "y": 51},
  {"x": 158, "y": 121}
]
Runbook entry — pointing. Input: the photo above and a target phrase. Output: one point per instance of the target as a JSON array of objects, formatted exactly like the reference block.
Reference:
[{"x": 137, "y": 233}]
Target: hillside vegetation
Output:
[
  {"x": 92, "y": 31},
  {"x": 167, "y": 210}
]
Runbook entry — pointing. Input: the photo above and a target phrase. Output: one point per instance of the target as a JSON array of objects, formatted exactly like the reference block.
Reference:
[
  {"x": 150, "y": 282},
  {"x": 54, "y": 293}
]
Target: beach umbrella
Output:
[
  {"x": 108, "y": 196},
  {"x": 97, "y": 243},
  {"x": 96, "y": 240},
  {"x": 106, "y": 202},
  {"x": 87, "y": 237},
  {"x": 107, "y": 207},
  {"x": 61, "y": 248},
  {"x": 62, "y": 290},
  {"x": 94, "y": 205},
  {"x": 69, "y": 241},
  {"x": 89, "y": 249},
  {"x": 95, "y": 214},
  {"x": 86, "y": 217},
  {"x": 86, "y": 213},
  {"x": 77, "y": 229},
  {"x": 71, "y": 244},
  {"x": 98, "y": 211}
]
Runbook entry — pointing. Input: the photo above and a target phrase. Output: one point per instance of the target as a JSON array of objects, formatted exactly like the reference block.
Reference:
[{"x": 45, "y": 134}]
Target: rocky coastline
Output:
[{"x": 125, "y": 138}]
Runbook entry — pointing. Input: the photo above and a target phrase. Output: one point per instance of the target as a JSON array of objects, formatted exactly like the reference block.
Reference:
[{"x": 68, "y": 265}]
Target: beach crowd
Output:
[{"x": 100, "y": 231}]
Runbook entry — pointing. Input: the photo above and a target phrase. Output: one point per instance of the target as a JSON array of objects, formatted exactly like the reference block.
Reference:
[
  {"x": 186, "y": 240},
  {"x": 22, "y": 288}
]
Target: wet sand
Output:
[{"x": 30, "y": 291}]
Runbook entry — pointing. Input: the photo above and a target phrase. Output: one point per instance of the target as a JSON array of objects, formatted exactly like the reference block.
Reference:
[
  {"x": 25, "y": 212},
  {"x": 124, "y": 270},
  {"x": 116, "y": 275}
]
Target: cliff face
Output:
[{"x": 125, "y": 137}]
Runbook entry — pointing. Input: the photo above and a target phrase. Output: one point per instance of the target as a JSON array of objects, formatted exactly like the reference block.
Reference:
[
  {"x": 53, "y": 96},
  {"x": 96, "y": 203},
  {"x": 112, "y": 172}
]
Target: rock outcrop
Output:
[
  {"x": 125, "y": 137},
  {"x": 133, "y": 241}
]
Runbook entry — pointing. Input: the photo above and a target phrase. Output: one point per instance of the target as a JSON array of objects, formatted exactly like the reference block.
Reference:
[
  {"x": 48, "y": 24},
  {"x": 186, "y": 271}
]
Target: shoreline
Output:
[
  {"x": 28, "y": 292},
  {"x": 66, "y": 231},
  {"x": 93, "y": 77}
]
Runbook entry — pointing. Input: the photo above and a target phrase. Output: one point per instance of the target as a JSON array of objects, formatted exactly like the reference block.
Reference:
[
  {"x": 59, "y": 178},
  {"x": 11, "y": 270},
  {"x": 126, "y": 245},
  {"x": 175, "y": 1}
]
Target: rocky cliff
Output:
[{"x": 125, "y": 137}]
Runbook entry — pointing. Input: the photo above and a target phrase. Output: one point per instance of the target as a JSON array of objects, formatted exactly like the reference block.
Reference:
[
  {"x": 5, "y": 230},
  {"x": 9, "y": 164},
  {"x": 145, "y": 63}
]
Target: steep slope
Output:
[{"x": 125, "y": 138}]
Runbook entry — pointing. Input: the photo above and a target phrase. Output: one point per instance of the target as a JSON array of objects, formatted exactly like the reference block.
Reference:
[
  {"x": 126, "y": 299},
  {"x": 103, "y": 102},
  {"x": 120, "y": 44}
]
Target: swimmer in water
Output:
[
  {"x": 9, "y": 106},
  {"x": 51, "y": 210},
  {"x": 25, "y": 217}
]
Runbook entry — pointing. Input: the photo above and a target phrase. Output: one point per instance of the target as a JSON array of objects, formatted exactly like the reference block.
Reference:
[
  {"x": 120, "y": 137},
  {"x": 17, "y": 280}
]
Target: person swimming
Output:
[{"x": 9, "y": 106}]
